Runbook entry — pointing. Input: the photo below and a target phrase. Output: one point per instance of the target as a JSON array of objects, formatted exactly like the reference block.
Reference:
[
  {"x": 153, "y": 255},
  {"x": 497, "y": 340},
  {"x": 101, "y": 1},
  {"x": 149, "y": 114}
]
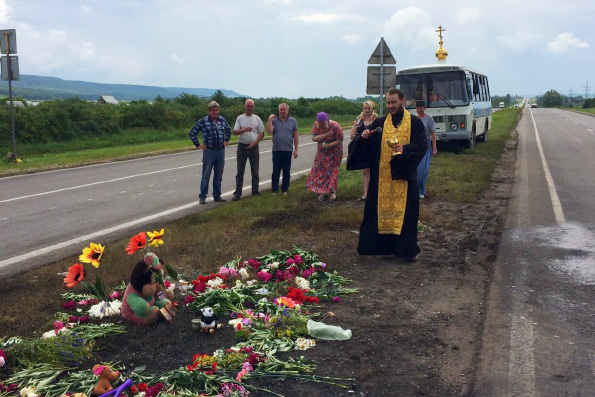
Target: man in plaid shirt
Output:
[{"x": 216, "y": 133}]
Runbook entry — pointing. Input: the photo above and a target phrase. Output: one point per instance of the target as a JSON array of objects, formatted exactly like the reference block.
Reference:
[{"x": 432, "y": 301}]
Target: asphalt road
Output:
[
  {"x": 49, "y": 215},
  {"x": 539, "y": 336}
]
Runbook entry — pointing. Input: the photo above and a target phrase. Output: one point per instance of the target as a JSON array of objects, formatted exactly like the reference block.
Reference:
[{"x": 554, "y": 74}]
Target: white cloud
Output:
[
  {"x": 5, "y": 12},
  {"x": 564, "y": 42},
  {"x": 352, "y": 38},
  {"x": 176, "y": 58},
  {"x": 279, "y": 2},
  {"x": 86, "y": 9},
  {"x": 329, "y": 18},
  {"x": 56, "y": 36},
  {"x": 87, "y": 51},
  {"x": 411, "y": 24},
  {"x": 467, "y": 15}
]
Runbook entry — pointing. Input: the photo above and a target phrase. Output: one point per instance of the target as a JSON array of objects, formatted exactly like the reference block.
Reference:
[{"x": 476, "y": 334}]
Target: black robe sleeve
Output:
[
  {"x": 404, "y": 166},
  {"x": 360, "y": 151}
]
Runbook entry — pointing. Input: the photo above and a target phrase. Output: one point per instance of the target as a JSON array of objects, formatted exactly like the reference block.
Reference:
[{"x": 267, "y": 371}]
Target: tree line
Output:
[
  {"x": 553, "y": 98},
  {"x": 72, "y": 119}
]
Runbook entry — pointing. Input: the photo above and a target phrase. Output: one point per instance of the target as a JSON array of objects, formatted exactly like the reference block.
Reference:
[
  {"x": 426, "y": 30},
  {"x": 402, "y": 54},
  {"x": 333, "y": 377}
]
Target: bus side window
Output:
[
  {"x": 469, "y": 88},
  {"x": 488, "y": 87},
  {"x": 475, "y": 87}
]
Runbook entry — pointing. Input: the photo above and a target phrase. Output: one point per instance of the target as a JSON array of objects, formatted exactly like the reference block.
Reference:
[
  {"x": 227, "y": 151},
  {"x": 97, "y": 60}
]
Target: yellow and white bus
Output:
[{"x": 458, "y": 98}]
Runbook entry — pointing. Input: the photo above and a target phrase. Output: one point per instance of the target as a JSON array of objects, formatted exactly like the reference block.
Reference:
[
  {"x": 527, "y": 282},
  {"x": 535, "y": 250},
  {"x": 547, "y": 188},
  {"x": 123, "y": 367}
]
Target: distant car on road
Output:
[
  {"x": 501, "y": 105},
  {"x": 534, "y": 105}
]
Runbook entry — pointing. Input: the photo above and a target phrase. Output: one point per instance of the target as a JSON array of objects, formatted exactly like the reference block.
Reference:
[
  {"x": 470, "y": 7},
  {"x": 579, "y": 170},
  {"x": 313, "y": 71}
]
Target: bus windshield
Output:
[{"x": 438, "y": 89}]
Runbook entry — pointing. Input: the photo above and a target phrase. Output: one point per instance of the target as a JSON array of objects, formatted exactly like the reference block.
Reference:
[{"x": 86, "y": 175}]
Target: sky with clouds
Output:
[{"x": 293, "y": 48}]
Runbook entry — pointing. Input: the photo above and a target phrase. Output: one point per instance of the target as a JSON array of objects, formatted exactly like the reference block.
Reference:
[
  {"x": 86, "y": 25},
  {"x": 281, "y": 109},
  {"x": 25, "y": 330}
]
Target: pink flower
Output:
[
  {"x": 58, "y": 325},
  {"x": 298, "y": 259},
  {"x": 70, "y": 305},
  {"x": 233, "y": 273},
  {"x": 254, "y": 263},
  {"x": 308, "y": 272},
  {"x": 336, "y": 299},
  {"x": 264, "y": 276},
  {"x": 247, "y": 366},
  {"x": 224, "y": 271},
  {"x": 241, "y": 374},
  {"x": 84, "y": 319},
  {"x": 116, "y": 294},
  {"x": 73, "y": 319},
  {"x": 289, "y": 262}
]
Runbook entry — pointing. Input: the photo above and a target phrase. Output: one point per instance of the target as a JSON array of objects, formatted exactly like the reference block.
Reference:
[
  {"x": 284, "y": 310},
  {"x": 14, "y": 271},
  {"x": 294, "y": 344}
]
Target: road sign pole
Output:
[
  {"x": 14, "y": 137},
  {"x": 381, "y": 100},
  {"x": 8, "y": 63}
]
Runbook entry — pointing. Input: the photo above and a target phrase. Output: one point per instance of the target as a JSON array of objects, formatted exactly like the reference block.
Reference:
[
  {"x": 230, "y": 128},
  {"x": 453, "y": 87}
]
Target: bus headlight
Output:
[{"x": 454, "y": 126}]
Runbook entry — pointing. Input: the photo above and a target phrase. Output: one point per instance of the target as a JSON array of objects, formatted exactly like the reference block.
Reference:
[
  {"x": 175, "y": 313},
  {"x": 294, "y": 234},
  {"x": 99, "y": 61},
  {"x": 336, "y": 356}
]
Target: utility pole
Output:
[
  {"x": 570, "y": 97},
  {"x": 587, "y": 90}
]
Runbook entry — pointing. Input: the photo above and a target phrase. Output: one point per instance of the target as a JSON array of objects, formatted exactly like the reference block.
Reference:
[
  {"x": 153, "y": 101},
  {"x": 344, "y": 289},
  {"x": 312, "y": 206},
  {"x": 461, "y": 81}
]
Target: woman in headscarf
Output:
[
  {"x": 325, "y": 171},
  {"x": 366, "y": 118}
]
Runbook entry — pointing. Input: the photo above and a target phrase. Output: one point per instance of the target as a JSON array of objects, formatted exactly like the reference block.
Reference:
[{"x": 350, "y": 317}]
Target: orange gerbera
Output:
[
  {"x": 76, "y": 274},
  {"x": 155, "y": 237},
  {"x": 92, "y": 254},
  {"x": 137, "y": 242}
]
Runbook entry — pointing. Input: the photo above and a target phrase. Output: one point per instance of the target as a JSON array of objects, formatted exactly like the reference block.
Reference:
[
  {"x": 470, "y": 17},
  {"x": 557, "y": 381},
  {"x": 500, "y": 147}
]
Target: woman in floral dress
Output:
[{"x": 325, "y": 171}]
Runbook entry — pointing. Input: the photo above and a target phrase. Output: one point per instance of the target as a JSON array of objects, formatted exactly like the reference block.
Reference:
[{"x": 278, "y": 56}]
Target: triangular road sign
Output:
[{"x": 387, "y": 57}]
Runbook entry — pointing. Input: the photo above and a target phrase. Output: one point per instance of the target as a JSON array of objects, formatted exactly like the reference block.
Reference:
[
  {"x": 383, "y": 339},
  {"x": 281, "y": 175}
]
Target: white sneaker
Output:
[{"x": 421, "y": 196}]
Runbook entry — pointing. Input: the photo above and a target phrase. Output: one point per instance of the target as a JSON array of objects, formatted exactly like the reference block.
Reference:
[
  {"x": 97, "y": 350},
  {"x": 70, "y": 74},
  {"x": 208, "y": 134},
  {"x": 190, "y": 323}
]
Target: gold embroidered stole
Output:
[{"x": 392, "y": 194}]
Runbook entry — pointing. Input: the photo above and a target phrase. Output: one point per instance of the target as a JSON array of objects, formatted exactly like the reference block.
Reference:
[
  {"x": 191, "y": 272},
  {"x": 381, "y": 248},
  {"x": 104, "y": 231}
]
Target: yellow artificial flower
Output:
[
  {"x": 92, "y": 254},
  {"x": 155, "y": 237}
]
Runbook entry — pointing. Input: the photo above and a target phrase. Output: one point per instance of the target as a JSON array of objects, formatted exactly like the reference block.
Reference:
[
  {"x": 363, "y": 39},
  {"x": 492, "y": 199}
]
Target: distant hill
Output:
[{"x": 33, "y": 87}]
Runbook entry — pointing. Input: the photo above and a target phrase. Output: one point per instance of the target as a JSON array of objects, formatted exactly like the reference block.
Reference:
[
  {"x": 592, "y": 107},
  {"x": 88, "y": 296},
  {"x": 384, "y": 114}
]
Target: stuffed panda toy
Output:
[{"x": 208, "y": 320}]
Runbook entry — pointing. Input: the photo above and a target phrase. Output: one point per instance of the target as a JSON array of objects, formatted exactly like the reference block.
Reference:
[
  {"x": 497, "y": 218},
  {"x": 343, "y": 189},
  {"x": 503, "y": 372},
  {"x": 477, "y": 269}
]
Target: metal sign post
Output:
[
  {"x": 9, "y": 45},
  {"x": 376, "y": 80}
]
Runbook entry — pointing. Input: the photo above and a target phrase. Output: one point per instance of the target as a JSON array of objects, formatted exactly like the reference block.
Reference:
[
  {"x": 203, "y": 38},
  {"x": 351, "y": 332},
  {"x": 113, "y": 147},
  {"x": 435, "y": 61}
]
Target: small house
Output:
[{"x": 107, "y": 99}]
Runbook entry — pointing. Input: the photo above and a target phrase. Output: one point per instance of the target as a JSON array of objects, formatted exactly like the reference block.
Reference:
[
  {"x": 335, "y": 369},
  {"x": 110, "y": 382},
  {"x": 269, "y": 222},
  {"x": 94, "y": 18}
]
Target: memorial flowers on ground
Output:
[{"x": 269, "y": 301}]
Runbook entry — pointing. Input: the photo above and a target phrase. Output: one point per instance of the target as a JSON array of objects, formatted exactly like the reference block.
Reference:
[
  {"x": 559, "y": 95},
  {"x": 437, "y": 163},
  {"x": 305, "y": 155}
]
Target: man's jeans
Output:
[
  {"x": 281, "y": 162},
  {"x": 212, "y": 159},
  {"x": 423, "y": 170},
  {"x": 245, "y": 154}
]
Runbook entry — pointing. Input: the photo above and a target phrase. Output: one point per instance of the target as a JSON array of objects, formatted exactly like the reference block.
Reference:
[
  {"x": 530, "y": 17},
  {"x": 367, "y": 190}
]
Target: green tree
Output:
[{"x": 551, "y": 99}]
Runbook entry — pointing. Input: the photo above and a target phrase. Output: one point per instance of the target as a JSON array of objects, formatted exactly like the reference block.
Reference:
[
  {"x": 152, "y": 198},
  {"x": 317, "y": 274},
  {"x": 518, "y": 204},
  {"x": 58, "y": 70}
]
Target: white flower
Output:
[
  {"x": 52, "y": 333},
  {"x": 273, "y": 265},
  {"x": 304, "y": 344},
  {"x": 244, "y": 273},
  {"x": 214, "y": 283},
  {"x": 28, "y": 391},
  {"x": 105, "y": 309},
  {"x": 302, "y": 283},
  {"x": 234, "y": 322},
  {"x": 262, "y": 291},
  {"x": 250, "y": 282}
]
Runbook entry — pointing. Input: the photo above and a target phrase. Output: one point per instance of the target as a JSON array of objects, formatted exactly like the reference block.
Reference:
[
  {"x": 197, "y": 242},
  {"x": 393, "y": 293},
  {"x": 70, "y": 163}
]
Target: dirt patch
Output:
[{"x": 416, "y": 327}]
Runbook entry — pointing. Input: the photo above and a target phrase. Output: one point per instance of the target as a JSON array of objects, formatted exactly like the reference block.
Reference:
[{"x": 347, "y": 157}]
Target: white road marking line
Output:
[
  {"x": 4, "y": 219},
  {"x": 588, "y": 129},
  {"x": 557, "y": 206},
  {"x": 123, "y": 191},
  {"x": 120, "y": 179},
  {"x": 101, "y": 233}
]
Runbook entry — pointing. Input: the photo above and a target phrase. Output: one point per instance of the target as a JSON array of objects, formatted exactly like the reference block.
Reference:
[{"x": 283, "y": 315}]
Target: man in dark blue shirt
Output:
[{"x": 216, "y": 133}]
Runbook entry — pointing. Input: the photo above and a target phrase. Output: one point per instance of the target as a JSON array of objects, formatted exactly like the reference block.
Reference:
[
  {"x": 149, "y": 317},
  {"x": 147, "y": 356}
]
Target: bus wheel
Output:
[
  {"x": 470, "y": 143},
  {"x": 484, "y": 137}
]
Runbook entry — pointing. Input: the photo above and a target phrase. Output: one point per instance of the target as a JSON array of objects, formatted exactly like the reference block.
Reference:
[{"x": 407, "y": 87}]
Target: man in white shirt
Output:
[{"x": 251, "y": 131}]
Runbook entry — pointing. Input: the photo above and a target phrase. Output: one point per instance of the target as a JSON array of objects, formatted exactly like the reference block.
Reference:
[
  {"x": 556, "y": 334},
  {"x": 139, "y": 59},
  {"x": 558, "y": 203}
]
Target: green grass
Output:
[
  {"x": 126, "y": 145},
  {"x": 589, "y": 110},
  {"x": 462, "y": 174}
]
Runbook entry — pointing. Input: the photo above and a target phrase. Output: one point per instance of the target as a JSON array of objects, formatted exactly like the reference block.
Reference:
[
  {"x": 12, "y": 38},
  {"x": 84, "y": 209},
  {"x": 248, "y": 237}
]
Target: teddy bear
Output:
[
  {"x": 145, "y": 299},
  {"x": 208, "y": 320},
  {"x": 106, "y": 377}
]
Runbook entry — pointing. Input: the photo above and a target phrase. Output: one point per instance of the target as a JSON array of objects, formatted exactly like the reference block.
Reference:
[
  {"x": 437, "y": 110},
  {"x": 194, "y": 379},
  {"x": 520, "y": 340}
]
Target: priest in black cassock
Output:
[{"x": 392, "y": 206}]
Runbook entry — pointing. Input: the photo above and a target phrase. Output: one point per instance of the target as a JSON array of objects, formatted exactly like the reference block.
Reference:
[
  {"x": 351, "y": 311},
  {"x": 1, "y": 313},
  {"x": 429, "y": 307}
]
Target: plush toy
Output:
[
  {"x": 144, "y": 299},
  {"x": 106, "y": 377},
  {"x": 208, "y": 320}
]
